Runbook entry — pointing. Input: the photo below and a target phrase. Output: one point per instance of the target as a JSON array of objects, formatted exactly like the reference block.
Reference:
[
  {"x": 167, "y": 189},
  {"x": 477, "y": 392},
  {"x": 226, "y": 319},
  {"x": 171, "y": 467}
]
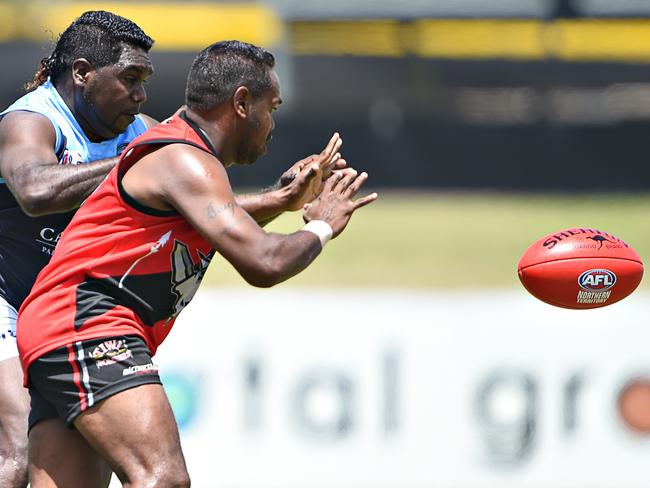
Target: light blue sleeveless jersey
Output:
[
  {"x": 27, "y": 243},
  {"x": 71, "y": 143}
]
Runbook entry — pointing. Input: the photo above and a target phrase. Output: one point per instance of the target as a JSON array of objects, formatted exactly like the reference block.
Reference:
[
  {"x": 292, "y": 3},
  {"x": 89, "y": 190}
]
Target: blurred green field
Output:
[{"x": 453, "y": 240}]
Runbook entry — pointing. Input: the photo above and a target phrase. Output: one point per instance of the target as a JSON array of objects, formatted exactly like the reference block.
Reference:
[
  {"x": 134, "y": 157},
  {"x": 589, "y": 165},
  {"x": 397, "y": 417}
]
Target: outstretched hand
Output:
[
  {"x": 335, "y": 205},
  {"x": 306, "y": 178}
]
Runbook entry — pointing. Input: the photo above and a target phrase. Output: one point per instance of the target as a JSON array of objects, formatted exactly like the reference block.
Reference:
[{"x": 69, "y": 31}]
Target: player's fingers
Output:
[
  {"x": 349, "y": 174},
  {"x": 305, "y": 161},
  {"x": 326, "y": 159},
  {"x": 329, "y": 148},
  {"x": 331, "y": 182},
  {"x": 340, "y": 163},
  {"x": 354, "y": 186},
  {"x": 308, "y": 174},
  {"x": 337, "y": 146},
  {"x": 327, "y": 165},
  {"x": 363, "y": 201}
]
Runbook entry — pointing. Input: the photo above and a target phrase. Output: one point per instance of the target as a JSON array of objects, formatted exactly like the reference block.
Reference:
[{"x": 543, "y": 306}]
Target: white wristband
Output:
[{"x": 321, "y": 228}]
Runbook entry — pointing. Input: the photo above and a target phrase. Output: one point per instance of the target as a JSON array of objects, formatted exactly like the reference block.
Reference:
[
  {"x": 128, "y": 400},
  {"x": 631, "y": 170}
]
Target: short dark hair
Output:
[
  {"x": 221, "y": 68},
  {"x": 97, "y": 36}
]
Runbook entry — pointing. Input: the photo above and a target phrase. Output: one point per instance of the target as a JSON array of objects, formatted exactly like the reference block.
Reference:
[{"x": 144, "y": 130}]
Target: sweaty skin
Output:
[{"x": 194, "y": 183}]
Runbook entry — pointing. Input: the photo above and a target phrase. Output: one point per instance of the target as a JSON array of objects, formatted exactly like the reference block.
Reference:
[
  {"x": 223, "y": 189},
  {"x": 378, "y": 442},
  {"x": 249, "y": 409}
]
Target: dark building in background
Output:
[{"x": 534, "y": 111}]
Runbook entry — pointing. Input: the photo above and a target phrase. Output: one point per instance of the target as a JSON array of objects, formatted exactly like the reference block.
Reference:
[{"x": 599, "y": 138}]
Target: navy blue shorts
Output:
[{"x": 67, "y": 381}]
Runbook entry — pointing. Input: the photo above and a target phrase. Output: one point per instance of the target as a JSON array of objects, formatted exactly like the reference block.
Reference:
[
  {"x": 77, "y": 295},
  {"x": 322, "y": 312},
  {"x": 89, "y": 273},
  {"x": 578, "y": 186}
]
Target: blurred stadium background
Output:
[{"x": 408, "y": 356}]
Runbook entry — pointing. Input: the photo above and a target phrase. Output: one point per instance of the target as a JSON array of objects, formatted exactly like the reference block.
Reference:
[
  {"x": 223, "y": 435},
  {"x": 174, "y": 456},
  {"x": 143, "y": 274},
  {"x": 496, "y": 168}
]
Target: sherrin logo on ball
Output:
[
  {"x": 597, "y": 280},
  {"x": 580, "y": 268}
]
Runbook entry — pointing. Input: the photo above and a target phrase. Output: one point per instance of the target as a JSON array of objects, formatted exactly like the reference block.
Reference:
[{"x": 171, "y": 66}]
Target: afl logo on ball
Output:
[{"x": 597, "y": 280}]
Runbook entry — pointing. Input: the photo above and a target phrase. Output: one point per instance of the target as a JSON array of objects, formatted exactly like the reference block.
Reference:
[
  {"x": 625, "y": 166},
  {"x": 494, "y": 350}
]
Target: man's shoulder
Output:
[
  {"x": 38, "y": 100},
  {"x": 178, "y": 150},
  {"x": 43, "y": 103},
  {"x": 26, "y": 127}
]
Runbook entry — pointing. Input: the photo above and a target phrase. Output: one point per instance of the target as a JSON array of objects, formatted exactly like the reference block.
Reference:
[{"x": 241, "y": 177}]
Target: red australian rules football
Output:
[{"x": 580, "y": 268}]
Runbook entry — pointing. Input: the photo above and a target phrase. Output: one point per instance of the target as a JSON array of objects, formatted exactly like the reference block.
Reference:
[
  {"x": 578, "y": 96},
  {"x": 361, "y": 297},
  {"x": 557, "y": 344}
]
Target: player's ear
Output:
[
  {"x": 242, "y": 101},
  {"x": 81, "y": 69}
]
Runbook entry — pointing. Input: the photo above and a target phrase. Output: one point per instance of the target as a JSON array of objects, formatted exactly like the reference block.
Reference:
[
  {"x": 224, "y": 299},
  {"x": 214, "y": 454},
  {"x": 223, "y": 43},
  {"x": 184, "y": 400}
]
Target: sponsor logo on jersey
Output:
[
  {"x": 110, "y": 352},
  {"x": 72, "y": 157},
  {"x": 121, "y": 148},
  {"x": 48, "y": 238},
  {"x": 597, "y": 280},
  {"x": 49, "y": 235}
]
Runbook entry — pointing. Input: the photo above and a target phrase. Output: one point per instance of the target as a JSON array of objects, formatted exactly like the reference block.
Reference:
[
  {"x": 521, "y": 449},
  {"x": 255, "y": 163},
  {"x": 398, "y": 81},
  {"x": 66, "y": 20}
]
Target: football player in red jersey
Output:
[
  {"x": 134, "y": 256},
  {"x": 82, "y": 107}
]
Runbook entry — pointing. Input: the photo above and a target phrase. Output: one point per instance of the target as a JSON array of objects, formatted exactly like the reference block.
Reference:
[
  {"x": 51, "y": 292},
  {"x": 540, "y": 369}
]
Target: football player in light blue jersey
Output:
[{"x": 82, "y": 107}]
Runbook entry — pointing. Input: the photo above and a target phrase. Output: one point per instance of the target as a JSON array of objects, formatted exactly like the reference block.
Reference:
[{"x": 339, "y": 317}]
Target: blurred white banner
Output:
[{"x": 397, "y": 389}]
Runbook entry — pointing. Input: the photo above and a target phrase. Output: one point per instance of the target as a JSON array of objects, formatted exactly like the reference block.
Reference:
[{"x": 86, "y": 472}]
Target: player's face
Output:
[
  {"x": 114, "y": 94},
  {"x": 261, "y": 123}
]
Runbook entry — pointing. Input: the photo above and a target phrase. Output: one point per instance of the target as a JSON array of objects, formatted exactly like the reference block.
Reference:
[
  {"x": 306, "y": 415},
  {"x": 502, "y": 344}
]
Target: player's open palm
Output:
[
  {"x": 335, "y": 204},
  {"x": 305, "y": 179}
]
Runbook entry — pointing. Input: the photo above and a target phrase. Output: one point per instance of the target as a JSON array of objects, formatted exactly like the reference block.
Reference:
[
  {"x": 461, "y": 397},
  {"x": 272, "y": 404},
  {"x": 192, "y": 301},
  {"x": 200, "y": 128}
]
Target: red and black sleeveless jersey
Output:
[{"x": 120, "y": 267}]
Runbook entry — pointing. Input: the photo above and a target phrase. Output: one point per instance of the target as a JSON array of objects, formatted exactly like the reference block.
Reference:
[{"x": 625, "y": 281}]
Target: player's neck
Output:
[
  {"x": 67, "y": 93},
  {"x": 212, "y": 127}
]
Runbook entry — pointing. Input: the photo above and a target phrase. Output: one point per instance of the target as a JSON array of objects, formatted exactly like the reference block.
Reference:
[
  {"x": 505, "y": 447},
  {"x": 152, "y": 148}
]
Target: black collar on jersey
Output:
[
  {"x": 154, "y": 211},
  {"x": 200, "y": 132}
]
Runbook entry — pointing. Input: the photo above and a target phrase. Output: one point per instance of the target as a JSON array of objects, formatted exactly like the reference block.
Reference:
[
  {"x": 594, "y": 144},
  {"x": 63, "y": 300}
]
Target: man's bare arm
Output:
[
  {"x": 192, "y": 182},
  {"x": 264, "y": 207},
  {"x": 298, "y": 185},
  {"x": 31, "y": 170}
]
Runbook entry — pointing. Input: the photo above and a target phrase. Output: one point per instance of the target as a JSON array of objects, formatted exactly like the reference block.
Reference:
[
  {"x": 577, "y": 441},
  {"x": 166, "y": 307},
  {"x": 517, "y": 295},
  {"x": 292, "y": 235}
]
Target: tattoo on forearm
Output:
[
  {"x": 232, "y": 225},
  {"x": 213, "y": 212}
]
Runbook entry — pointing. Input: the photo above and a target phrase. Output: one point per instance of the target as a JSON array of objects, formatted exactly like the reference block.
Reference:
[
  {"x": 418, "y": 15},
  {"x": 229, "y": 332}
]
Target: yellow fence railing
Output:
[
  {"x": 190, "y": 26},
  {"x": 626, "y": 40},
  {"x": 175, "y": 26}
]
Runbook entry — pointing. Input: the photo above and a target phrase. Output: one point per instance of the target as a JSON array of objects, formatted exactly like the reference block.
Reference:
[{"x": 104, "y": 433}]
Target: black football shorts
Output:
[{"x": 67, "y": 381}]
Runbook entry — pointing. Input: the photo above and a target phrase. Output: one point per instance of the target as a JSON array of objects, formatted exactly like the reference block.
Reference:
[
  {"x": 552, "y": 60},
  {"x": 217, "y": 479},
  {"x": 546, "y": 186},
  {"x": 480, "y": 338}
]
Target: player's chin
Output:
[
  {"x": 118, "y": 128},
  {"x": 123, "y": 122},
  {"x": 252, "y": 158}
]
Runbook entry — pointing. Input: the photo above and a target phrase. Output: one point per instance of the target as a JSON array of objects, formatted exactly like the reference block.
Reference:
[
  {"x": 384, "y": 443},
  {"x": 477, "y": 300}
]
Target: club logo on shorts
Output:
[{"x": 110, "y": 352}]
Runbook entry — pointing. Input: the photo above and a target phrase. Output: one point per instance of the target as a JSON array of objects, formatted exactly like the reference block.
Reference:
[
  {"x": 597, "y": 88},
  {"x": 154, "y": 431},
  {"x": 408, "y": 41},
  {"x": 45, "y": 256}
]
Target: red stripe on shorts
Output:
[{"x": 76, "y": 376}]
